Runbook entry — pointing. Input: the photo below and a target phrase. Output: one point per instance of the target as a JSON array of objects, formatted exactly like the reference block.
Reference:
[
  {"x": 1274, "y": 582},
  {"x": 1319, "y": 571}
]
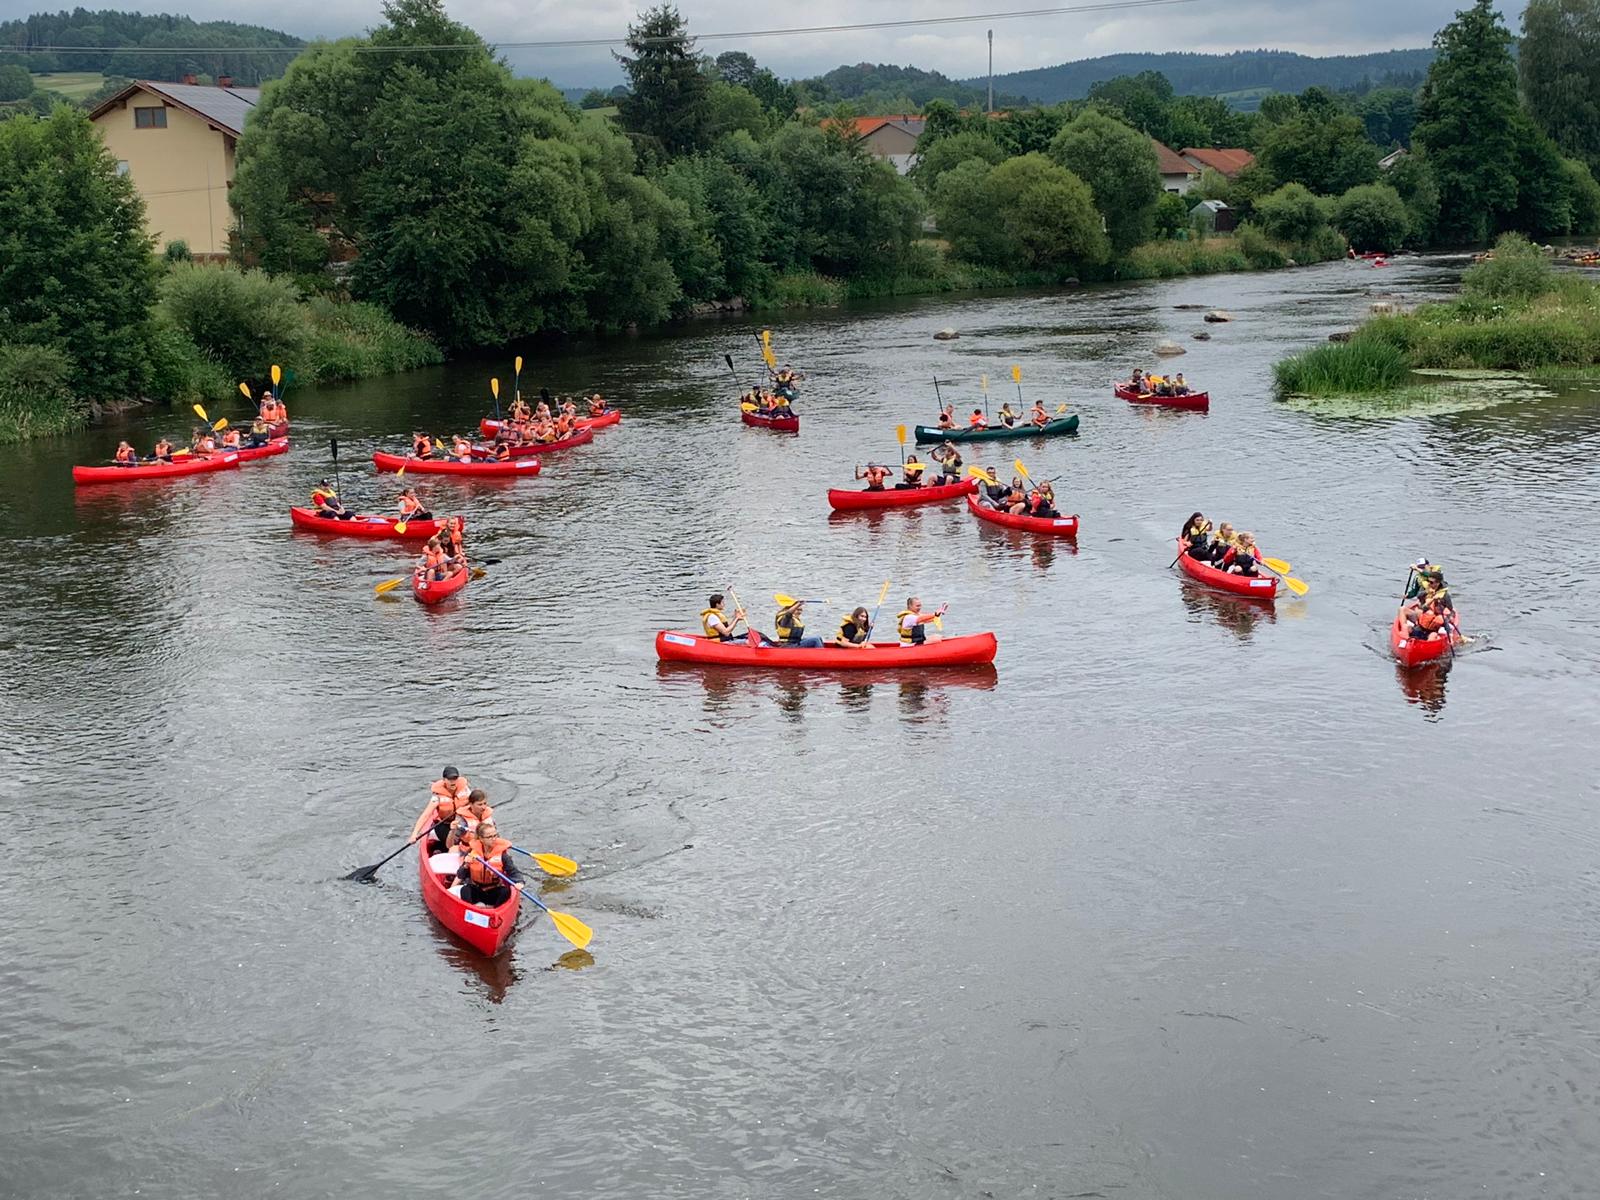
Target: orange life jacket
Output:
[
  {"x": 470, "y": 822},
  {"x": 432, "y": 560},
  {"x": 409, "y": 506},
  {"x": 455, "y": 793},
  {"x": 978, "y": 421},
  {"x": 483, "y": 856},
  {"x": 127, "y": 454},
  {"x": 421, "y": 447},
  {"x": 444, "y": 809}
]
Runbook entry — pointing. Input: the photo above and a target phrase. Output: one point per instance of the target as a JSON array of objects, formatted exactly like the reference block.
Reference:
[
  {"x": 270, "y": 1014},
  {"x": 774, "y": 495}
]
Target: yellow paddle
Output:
[
  {"x": 900, "y": 436},
  {"x": 1016, "y": 378},
  {"x": 219, "y": 424},
  {"x": 494, "y": 386},
  {"x": 1021, "y": 470},
  {"x": 1298, "y": 586},
  {"x": 401, "y": 526},
  {"x": 1281, "y": 567},
  {"x": 783, "y": 601},
  {"x": 387, "y": 586},
  {"x": 551, "y": 864},
  {"x": 567, "y": 925},
  {"x": 873, "y": 623},
  {"x": 201, "y": 413},
  {"x": 277, "y": 375},
  {"x": 980, "y": 473},
  {"x": 245, "y": 388}
]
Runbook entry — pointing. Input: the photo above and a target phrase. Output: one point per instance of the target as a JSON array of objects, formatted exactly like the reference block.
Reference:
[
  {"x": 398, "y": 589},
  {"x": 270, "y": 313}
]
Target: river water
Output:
[{"x": 1185, "y": 899}]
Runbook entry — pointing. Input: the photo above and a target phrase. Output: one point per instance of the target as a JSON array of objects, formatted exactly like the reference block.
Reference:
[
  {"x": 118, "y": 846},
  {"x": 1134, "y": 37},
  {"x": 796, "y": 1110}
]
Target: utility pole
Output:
[{"x": 991, "y": 70}]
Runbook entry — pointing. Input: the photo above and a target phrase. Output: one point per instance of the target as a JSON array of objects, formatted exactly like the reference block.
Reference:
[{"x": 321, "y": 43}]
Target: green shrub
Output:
[
  {"x": 180, "y": 373},
  {"x": 356, "y": 341},
  {"x": 177, "y": 251},
  {"x": 1290, "y": 214},
  {"x": 1262, "y": 251},
  {"x": 1373, "y": 217},
  {"x": 801, "y": 289},
  {"x": 1324, "y": 245},
  {"x": 1358, "y": 367},
  {"x": 36, "y": 397},
  {"x": 1171, "y": 215},
  {"x": 242, "y": 320},
  {"x": 1519, "y": 270},
  {"x": 1166, "y": 260}
]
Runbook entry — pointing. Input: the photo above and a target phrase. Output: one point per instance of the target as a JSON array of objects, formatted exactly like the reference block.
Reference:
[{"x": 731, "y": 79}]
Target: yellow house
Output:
[{"x": 176, "y": 142}]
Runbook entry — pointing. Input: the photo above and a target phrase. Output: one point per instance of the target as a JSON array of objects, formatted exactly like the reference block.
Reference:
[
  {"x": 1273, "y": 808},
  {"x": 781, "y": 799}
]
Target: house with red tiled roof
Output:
[
  {"x": 892, "y": 138},
  {"x": 1228, "y": 161},
  {"x": 1177, "y": 174}
]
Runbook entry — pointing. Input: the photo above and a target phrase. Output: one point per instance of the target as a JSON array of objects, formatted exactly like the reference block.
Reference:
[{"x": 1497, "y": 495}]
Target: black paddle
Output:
[{"x": 365, "y": 874}]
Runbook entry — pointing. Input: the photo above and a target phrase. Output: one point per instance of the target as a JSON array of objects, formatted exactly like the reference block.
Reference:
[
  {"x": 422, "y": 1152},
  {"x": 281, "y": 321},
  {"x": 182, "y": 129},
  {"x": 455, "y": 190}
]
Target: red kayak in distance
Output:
[
  {"x": 449, "y": 466},
  {"x": 436, "y": 591},
  {"x": 854, "y": 499},
  {"x": 189, "y": 464},
  {"x": 490, "y": 426},
  {"x": 484, "y": 929},
  {"x": 528, "y": 449},
  {"x": 1256, "y": 587},
  {"x": 364, "y": 526},
  {"x": 1050, "y": 526},
  {"x": 788, "y": 424},
  {"x": 969, "y": 650},
  {"x": 1194, "y": 400},
  {"x": 275, "y": 446},
  {"x": 1413, "y": 652}
]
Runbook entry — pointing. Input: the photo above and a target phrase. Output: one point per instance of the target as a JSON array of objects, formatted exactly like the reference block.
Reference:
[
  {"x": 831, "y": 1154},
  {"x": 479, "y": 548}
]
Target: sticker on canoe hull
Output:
[
  {"x": 677, "y": 639},
  {"x": 481, "y": 920},
  {"x": 1262, "y": 582}
]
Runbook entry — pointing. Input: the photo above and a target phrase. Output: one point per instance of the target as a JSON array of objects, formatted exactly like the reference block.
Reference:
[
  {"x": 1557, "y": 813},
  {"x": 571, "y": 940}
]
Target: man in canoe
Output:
[
  {"x": 791, "y": 627},
  {"x": 411, "y": 508},
  {"x": 230, "y": 438},
  {"x": 913, "y": 623},
  {"x": 854, "y": 631},
  {"x": 1038, "y": 417},
  {"x": 716, "y": 623},
  {"x": 1427, "y": 620},
  {"x": 1136, "y": 382},
  {"x": 484, "y": 859},
  {"x": 995, "y": 493},
  {"x": 950, "y": 462},
  {"x": 947, "y": 417},
  {"x": 326, "y": 503},
  {"x": 1179, "y": 387},
  {"x": 451, "y": 785},
  {"x": 126, "y": 455},
  {"x": 875, "y": 474},
  {"x": 785, "y": 381},
  {"x": 912, "y": 470},
  {"x": 1425, "y": 577}
]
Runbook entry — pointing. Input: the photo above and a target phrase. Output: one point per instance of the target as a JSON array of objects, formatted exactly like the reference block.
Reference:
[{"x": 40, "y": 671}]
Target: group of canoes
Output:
[{"x": 211, "y": 448}]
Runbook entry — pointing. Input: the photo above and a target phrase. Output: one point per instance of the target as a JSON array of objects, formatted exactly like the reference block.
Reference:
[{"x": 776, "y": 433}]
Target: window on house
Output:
[
  {"x": 122, "y": 166},
  {"x": 150, "y": 118}
]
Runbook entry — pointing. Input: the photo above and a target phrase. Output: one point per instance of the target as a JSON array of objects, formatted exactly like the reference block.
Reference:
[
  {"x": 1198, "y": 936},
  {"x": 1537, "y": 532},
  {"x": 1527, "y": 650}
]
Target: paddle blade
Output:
[
  {"x": 980, "y": 473},
  {"x": 1016, "y": 374},
  {"x": 983, "y": 382},
  {"x": 1021, "y": 470},
  {"x": 364, "y": 874},
  {"x": 277, "y": 374},
  {"x": 219, "y": 424},
  {"x": 400, "y": 527},
  {"x": 728, "y": 358},
  {"x": 1060, "y": 408},
  {"x": 1281, "y": 567},
  {"x": 900, "y": 434},
  {"x": 401, "y": 470},
  {"x": 569, "y": 927},
  {"x": 1298, "y": 586},
  {"x": 478, "y": 572},
  {"x": 387, "y": 586},
  {"x": 781, "y": 600},
  {"x": 518, "y": 365},
  {"x": 555, "y": 864},
  {"x": 494, "y": 386},
  {"x": 201, "y": 412},
  {"x": 245, "y": 388}
]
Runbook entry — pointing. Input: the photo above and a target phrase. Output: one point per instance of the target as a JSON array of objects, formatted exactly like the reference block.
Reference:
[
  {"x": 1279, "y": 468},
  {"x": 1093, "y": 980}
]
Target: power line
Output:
[{"x": 574, "y": 43}]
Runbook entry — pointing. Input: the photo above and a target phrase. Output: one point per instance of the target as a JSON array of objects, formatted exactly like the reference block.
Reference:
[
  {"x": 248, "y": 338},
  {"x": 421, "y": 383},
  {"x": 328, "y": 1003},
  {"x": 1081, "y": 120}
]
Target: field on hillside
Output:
[{"x": 74, "y": 85}]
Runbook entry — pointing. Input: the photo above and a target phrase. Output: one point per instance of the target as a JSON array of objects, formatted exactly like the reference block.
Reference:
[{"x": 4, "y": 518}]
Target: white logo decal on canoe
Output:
[
  {"x": 677, "y": 639},
  {"x": 1062, "y": 524},
  {"x": 476, "y": 918},
  {"x": 1262, "y": 582},
  {"x": 527, "y": 462},
  {"x": 230, "y": 458}
]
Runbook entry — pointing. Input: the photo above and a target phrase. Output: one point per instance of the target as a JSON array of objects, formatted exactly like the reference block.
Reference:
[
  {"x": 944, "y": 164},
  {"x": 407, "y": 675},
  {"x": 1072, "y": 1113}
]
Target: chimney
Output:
[
  {"x": 225, "y": 81},
  {"x": 188, "y": 79}
]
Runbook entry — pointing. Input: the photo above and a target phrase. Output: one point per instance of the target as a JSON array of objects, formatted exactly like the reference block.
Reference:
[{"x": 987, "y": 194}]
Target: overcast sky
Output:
[{"x": 1318, "y": 27}]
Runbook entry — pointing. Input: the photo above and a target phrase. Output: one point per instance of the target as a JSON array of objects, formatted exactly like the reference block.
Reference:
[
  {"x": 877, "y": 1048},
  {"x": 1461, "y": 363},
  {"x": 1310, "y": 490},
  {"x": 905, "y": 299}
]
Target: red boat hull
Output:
[
  {"x": 1409, "y": 652},
  {"x": 489, "y": 426},
  {"x": 484, "y": 929},
  {"x": 1257, "y": 587},
  {"x": 1050, "y": 526},
  {"x": 449, "y": 466},
  {"x": 852, "y": 499},
  {"x": 178, "y": 467},
  {"x": 789, "y": 424},
  {"x": 972, "y": 649},
  {"x": 437, "y": 591},
  {"x": 1194, "y": 400},
  {"x": 278, "y": 445},
  {"x": 581, "y": 438},
  {"x": 364, "y": 527}
]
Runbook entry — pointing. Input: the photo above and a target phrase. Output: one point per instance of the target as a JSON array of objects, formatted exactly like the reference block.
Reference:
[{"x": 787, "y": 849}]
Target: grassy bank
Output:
[
  {"x": 1515, "y": 314},
  {"x": 211, "y": 327}
]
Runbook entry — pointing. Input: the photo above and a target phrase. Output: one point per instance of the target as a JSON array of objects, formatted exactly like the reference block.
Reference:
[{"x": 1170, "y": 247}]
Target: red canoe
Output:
[
  {"x": 1257, "y": 587},
  {"x": 277, "y": 445},
  {"x": 484, "y": 929},
  {"x": 1410, "y": 652},
  {"x": 528, "y": 449},
  {"x": 187, "y": 465},
  {"x": 437, "y": 591},
  {"x": 365, "y": 527},
  {"x": 789, "y": 424},
  {"x": 1053, "y": 526},
  {"x": 850, "y": 499},
  {"x": 968, "y": 650},
  {"x": 489, "y": 426},
  {"x": 449, "y": 466},
  {"x": 1200, "y": 400}
]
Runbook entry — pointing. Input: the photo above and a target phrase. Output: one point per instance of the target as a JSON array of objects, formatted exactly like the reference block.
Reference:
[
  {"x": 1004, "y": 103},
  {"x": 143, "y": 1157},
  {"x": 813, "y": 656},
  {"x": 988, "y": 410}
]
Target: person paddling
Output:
[
  {"x": 163, "y": 451},
  {"x": 484, "y": 859},
  {"x": 1038, "y": 416},
  {"x": 421, "y": 446},
  {"x": 875, "y": 474},
  {"x": 260, "y": 434},
  {"x": 460, "y": 448},
  {"x": 230, "y": 439},
  {"x": 126, "y": 455},
  {"x": 791, "y": 627},
  {"x": 411, "y": 508},
  {"x": 912, "y": 470},
  {"x": 1007, "y": 417},
  {"x": 947, "y": 417},
  {"x": 434, "y": 564},
  {"x": 913, "y": 623},
  {"x": 1195, "y": 537},
  {"x": 451, "y": 785},
  {"x": 327, "y": 502},
  {"x": 716, "y": 623},
  {"x": 597, "y": 406},
  {"x": 854, "y": 631},
  {"x": 950, "y": 462}
]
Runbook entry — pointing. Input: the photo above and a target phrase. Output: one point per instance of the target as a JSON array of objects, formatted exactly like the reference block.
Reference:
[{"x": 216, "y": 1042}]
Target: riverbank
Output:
[{"x": 1516, "y": 314}]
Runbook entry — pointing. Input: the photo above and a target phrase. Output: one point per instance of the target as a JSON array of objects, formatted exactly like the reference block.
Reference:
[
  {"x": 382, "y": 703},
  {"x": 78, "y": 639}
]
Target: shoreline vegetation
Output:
[{"x": 1516, "y": 316}]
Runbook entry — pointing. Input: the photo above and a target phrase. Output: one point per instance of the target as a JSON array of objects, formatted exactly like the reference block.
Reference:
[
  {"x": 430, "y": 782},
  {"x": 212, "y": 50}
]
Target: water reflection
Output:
[
  {"x": 1016, "y": 545},
  {"x": 793, "y": 690},
  {"x": 1424, "y": 686},
  {"x": 493, "y": 977},
  {"x": 1238, "y": 614}
]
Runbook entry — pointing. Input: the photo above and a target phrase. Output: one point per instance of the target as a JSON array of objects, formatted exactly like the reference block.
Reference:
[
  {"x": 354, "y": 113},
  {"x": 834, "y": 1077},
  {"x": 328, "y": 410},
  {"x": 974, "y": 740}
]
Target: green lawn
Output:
[{"x": 74, "y": 85}]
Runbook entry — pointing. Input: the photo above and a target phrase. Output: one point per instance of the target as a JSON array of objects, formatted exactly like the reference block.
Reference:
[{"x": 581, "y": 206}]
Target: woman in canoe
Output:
[
  {"x": 1195, "y": 537},
  {"x": 484, "y": 860},
  {"x": 126, "y": 455},
  {"x": 912, "y": 470},
  {"x": 434, "y": 564},
  {"x": 1242, "y": 556},
  {"x": 519, "y": 410},
  {"x": 854, "y": 631},
  {"x": 325, "y": 501},
  {"x": 163, "y": 451},
  {"x": 791, "y": 627},
  {"x": 716, "y": 623},
  {"x": 1042, "y": 502},
  {"x": 597, "y": 406},
  {"x": 421, "y": 446},
  {"x": 875, "y": 474},
  {"x": 1007, "y": 417},
  {"x": 950, "y": 462},
  {"x": 913, "y": 623},
  {"x": 1016, "y": 501},
  {"x": 453, "y": 542},
  {"x": 460, "y": 448},
  {"x": 411, "y": 508},
  {"x": 260, "y": 434},
  {"x": 230, "y": 438},
  {"x": 204, "y": 441},
  {"x": 1427, "y": 620},
  {"x": 1223, "y": 544}
]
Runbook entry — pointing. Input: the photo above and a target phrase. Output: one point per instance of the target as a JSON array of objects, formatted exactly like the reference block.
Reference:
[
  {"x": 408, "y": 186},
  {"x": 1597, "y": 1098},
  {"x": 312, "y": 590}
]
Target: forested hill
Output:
[
  {"x": 881, "y": 88},
  {"x": 1217, "y": 74},
  {"x": 128, "y": 44}
]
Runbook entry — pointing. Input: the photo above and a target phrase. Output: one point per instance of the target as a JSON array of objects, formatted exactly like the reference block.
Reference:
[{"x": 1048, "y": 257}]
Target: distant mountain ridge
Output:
[{"x": 1215, "y": 74}]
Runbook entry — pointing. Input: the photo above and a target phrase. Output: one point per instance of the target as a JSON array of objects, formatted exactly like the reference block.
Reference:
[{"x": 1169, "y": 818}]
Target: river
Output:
[{"x": 1186, "y": 899}]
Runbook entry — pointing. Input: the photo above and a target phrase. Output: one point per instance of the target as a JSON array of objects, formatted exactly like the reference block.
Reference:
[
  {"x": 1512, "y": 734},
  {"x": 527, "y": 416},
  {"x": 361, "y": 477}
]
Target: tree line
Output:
[{"x": 139, "y": 46}]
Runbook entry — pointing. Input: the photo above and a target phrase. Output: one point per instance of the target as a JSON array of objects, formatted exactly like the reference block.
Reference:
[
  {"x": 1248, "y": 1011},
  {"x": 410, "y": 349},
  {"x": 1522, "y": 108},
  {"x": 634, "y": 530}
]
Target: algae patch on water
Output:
[{"x": 1439, "y": 393}]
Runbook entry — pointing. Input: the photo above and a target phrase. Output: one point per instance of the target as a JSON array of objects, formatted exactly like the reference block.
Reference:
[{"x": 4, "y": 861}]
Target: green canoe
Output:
[{"x": 997, "y": 433}]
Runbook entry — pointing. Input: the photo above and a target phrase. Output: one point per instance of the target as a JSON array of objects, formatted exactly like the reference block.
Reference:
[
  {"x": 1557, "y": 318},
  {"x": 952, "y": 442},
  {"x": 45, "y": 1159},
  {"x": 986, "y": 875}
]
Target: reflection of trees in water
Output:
[
  {"x": 1234, "y": 613},
  {"x": 1424, "y": 686}
]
